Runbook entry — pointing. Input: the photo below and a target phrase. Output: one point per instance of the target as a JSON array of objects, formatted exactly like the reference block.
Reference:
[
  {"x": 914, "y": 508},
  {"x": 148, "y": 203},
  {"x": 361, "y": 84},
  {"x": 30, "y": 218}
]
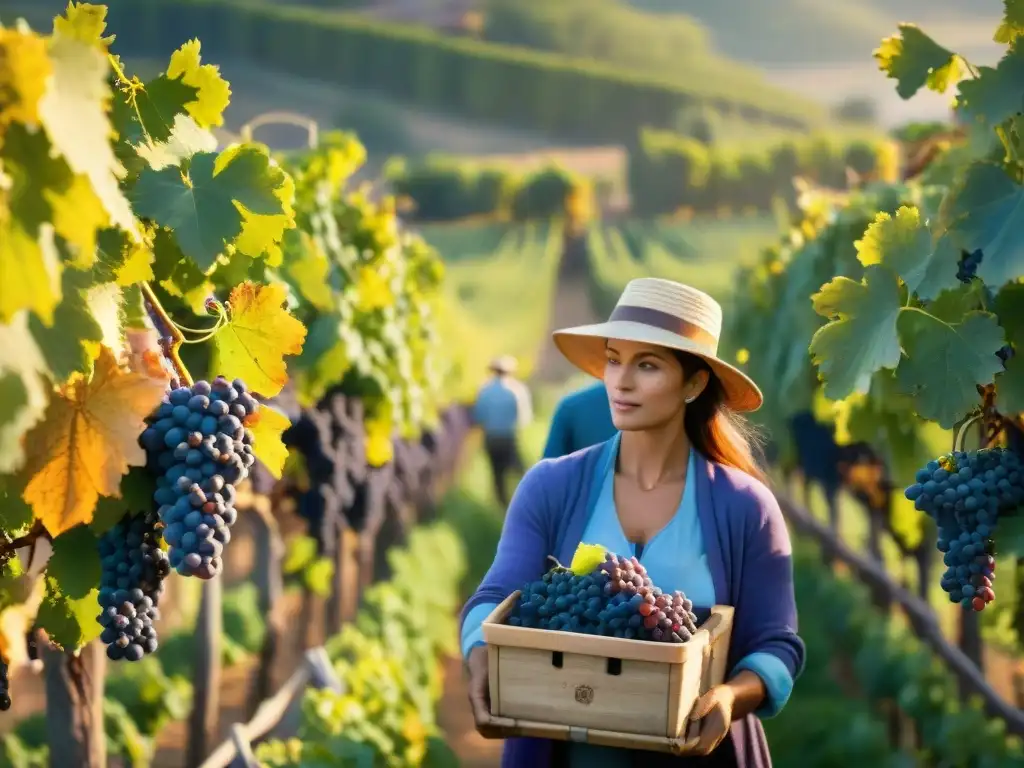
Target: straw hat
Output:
[
  {"x": 667, "y": 314},
  {"x": 505, "y": 364}
]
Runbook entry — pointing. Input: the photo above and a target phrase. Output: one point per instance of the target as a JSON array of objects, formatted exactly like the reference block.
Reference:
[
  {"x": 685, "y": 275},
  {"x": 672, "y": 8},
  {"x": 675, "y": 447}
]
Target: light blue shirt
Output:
[
  {"x": 675, "y": 558},
  {"x": 502, "y": 405}
]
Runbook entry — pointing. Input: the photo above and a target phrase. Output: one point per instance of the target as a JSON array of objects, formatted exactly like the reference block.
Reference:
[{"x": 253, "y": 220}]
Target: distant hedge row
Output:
[
  {"x": 668, "y": 172},
  {"x": 506, "y": 85},
  {"x": 442, "y": 189}
]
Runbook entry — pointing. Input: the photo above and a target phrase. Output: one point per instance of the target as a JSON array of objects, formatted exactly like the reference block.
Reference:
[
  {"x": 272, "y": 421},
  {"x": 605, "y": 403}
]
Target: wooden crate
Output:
[{"x": 632, "y": 694}]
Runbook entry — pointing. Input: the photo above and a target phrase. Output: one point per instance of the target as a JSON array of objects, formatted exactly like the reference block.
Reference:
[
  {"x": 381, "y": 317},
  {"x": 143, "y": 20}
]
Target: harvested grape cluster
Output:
[
  {"x": 617, "y": 599},
  {"x": 132, "y": 579},
  {"x": 965, "y": 493},
  {"x": 200, "y": 449}
]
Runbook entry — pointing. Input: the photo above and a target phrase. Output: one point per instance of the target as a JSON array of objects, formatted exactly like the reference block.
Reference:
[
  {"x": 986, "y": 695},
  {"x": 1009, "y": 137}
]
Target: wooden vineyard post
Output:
[
  {"x": 74, "y": 706},
  {"x": 206, "y": 675},
  {"x": 270, "y": 583}
]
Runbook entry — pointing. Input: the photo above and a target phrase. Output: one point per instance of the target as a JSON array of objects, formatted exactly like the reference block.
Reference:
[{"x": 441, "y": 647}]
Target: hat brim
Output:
[{"x": 584, "y": 347}]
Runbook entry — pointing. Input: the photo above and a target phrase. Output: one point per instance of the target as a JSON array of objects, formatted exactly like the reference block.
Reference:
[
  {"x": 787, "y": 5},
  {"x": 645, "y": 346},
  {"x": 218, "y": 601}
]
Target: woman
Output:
[{"x": 679, "y": 488}]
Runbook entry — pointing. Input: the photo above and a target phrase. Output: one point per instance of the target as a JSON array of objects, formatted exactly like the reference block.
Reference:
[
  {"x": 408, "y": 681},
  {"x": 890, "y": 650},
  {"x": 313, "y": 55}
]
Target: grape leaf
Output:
[
  {"x": 860, "y": 338},
  {"x": 945, "y": 363},
  {"x": 1011, "y": 536},
  {"x": 186, "y": 140},
  {"x": 75, "y": 562},
  {"x": 1009, "y": 306},
  {"x": 905, "y": 245},
  {"x": 1012, "y": 25},
  {"x": 204, "y": 207},
  {"x": 29, "y": 263},
  {"x": 253, "y": 343},
  {"x": 995, "y": 95},
  {"x": 951, "y": 305},
  {"x": 986, "y": 212},
  {"x": 267, "y": 426},
  {"x": 69, "y": 622},
  {"x": 74, "y": 113},
  {"x": 86, "y": 442},
  {"x": 77, "y": 216},
  {"x": 300, "y": 552},
  {"x": 914, "y": 61},
  {"x": 24, "y": 391},
  {"x": 84, "y": 22},
  {"x": 178, "y": 274},
  {"x": 25, "y": 68},
  {"x": 1010, "y": 386},
  {"x": 137, "y": 488},
  {"x": 121, "y": 261},
  {"x": 65, "y": 343},
  {"x": 261, "y": 235},
  {"x": 148, "y": 112},
  {"x": 307, "y": 270},
  {"x": 15, "y": 514},
  {"x": 212, "y": 92}
]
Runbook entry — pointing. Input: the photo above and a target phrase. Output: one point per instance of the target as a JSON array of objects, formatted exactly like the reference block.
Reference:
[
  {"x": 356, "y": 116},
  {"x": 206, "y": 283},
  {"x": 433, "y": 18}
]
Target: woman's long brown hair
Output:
[{"x": 715, "y": 430}]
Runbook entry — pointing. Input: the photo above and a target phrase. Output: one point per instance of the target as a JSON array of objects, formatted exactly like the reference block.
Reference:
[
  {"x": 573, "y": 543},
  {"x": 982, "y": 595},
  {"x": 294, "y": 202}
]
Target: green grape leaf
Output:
[
  {"x": 951, "y": 306},
  {"x": 860, "y": 338},
  {"x": 259, "y": 334},
  {"x": 914, "y": 61},
  {"x": 307, "y": 270},
  {"x": 187, "y": 139},
  {"x": 995, "y": 94},
  {"x": 1010, "y": 536},
  {"x": 75, "y": 562},
  {"x": 177, "y": 274},
  {"x": 1012, "y": 25},
  {"x": 74, "y": 113},
  {"x": 66, "y": 344},
  {"x": 1010, "y": 386},
  {"x": 146, "y": 113},
  {"x": 986, "y": 212},
  {"x": 1009, "y": 306},
  {"x": 137, "y": 488},
  {"x": 69, "y": 622},
  {"x": 946, "y": 363},
  {"x": 24, "y": 393},
  {"x": 15, "y": 513},
  {"x": 203, "y": 207},
  {"x": 905, "y": 244}
]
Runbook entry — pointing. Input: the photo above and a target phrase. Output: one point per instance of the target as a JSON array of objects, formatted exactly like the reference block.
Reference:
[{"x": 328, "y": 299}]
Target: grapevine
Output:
[
  {"x": 914, "y": 320},
  {"x": 617, "y": 599},
  {"x": 132, "y": 251}
]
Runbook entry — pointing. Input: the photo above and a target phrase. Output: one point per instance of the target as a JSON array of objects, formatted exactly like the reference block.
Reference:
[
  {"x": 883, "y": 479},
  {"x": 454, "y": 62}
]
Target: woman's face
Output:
[{"x": 646, "y": 385}]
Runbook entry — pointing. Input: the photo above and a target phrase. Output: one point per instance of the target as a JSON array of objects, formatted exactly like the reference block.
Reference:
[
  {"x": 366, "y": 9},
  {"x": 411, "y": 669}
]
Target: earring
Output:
[{"x": 689, "y": 400}]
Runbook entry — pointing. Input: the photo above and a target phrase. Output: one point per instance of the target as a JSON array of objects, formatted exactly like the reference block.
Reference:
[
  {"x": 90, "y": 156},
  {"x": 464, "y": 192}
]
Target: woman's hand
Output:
[
  {"x": 717, "y": 708},
  {"x": 714, "y": 709},
  {"x": 479, "y": 691}
]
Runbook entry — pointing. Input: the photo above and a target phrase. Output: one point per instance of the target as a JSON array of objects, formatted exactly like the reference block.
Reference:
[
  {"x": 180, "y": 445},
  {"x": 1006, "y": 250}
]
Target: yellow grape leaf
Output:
[
  {"x": 261, "y": 235},
  {"x": 380, "y": 449},
  {"x": 586, "y": 558},
  {"x": 77, "y": 215},
  {"x": 104, "y": 303},
  {"x": 267, "y": 425},
  {"x": 23, "y": 390},
  {"x": 253, "y": 343},
  {"x": 24, "y": 69},
  {"x": 137, "y": 266},
  {"x": 84, "y": 22},
  {"x": 30, "y": 270},
  {"x": 214, "y": 93},
  {"x": 74, "y": 113},
  {"x": 86, "y": 442},
  {"x": 17, "y": 618},
  {"x": 372, "y": 290}
]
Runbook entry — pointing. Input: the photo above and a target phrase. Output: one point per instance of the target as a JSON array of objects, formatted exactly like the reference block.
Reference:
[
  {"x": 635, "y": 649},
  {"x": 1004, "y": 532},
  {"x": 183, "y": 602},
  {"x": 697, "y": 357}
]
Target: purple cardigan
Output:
[{"x": 749, "y": 555}]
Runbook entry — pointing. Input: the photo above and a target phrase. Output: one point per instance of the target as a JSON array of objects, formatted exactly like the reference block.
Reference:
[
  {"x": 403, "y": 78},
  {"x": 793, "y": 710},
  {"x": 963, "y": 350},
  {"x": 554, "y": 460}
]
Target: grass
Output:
[{"x": 498, "y": 297}]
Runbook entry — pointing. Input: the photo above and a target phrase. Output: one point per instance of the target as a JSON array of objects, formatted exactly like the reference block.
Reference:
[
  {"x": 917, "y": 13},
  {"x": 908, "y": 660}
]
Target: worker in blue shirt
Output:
[
  {"x": 581, "y": 419},
  {"x": 502, "y": 407}
]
